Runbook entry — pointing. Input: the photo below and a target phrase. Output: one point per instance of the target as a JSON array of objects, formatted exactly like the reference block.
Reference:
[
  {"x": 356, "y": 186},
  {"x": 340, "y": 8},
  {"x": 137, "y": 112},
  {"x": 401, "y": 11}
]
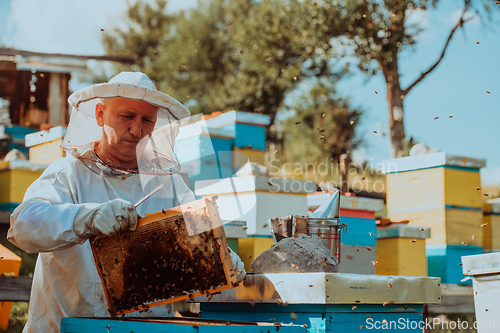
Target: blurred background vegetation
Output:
[
  {"x": 256, "y": 56},
  {"x": 282, "y": 58}
]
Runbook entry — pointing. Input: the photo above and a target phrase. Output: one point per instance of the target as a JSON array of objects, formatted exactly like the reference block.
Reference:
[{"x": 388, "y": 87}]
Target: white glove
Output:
[
  {"x": 109, "y": 218},
  {"x": 238, "y": 265}
]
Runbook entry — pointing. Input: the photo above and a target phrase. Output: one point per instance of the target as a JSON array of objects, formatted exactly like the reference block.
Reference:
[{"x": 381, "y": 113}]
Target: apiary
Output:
[{"x": 173, "y": 255}]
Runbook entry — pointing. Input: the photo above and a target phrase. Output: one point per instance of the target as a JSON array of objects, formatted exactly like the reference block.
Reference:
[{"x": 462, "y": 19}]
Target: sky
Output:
[{"x": 458, "y": 87}]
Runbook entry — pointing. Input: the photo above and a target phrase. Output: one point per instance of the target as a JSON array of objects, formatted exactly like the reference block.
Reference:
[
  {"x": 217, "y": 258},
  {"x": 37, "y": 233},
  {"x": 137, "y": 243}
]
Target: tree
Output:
[
  {"x": 377, "y": 31},
  {"x": 221, "y": 55},
  {"x": 323, "y": 125},
  {"x": 146, "y": 28},
  {"x": 242, "y": 54}
]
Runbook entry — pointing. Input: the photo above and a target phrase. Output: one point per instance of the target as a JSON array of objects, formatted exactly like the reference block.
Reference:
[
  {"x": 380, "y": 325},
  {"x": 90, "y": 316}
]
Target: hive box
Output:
[
  {"x": 327, "y": 302},
  {"x": 401, "y": 250},
  {"x": 255, "y": 200},
  {"x": 45, "y": 146},
  {"x": 491, "y": 229},
  {"x": 445, "y": 261},
  {"x": 17, "y": 136},
  {"x": 204, "y": 152},
  {"x": 249, "y": 128},
  {"x": 437, "y": 191},
  {"x": 448, "y": 225},
  {"x": 234, "y": 230},
  {"x": 15, "y": 178},
  {"x": 173, "y": 255},
  {"x": 242, "y": 156},
  {"x": 485, "y": 270},
  {"x": 171, "y": 325},
  {"x": 218, "y": 146},
  {"x": 9, "y": 264}
]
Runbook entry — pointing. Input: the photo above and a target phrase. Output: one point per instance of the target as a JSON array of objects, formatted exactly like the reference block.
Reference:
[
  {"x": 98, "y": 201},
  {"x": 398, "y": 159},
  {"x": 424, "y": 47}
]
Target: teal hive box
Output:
[
  {"x": 444, "y": 261},
  {"x": 167, "y": 325}
]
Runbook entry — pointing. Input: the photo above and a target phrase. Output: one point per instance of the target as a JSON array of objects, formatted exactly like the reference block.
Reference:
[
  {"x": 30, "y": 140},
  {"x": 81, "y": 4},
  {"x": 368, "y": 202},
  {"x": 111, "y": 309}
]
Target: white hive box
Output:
[
  {"x": 255, "y": 200},
  {"x": 485, "y": 269},
  {"x": 45, "y": 146}
]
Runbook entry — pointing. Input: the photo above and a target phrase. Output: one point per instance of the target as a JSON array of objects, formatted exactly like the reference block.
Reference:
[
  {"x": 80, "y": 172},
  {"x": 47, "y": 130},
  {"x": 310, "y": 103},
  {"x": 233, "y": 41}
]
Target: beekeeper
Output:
[{"x": 119, "y": 146}]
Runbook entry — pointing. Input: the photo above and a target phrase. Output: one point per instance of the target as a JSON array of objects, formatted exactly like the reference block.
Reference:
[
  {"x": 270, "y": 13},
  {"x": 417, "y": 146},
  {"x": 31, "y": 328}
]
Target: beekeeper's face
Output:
[{"x": 124, "y": 123}]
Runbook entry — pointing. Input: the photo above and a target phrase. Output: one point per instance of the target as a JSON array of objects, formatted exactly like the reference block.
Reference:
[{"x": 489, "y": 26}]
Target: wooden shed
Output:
[{"x": 36, "y": 84}]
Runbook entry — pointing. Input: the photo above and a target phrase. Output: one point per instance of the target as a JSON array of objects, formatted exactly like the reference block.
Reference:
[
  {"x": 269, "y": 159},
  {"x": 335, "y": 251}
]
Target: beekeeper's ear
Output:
[{"x": 99, "y": 114}]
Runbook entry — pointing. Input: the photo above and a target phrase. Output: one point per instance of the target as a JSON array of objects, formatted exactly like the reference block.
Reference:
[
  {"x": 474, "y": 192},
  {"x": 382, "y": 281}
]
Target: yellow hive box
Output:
[
  {"x": 401, "y": 250},
  {"x": 449, "y": 226},
  {"x": 254, "y": 155},
  {"x": 47, "y": 152},
  {"x": 491, "y": 229},
  {"x": 439, "y": 179},
  {"x": 249, "y": 248},
  {"x": 438, "y": 191},
  {"x": 431, "y": 187},
  {"x": 16, "y": 177},
  {"x": 9, "y": 264}
]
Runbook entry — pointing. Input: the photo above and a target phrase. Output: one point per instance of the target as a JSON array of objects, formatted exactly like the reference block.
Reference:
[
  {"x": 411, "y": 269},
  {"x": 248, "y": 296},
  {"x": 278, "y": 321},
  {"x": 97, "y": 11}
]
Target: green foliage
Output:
[
  {"x": 445, "y": 321},
  {"x": 18, "y": 317},
  {"x": 146, "y": 27},
  {"x": 248, "y": 55},
  {"x": 242, "y": 55},
  {"x": 377, "y": 31},
  {"x": 323, "y": 126},
  {"x": 223, "y": 55},
  {"x": 407, "y": 145}
]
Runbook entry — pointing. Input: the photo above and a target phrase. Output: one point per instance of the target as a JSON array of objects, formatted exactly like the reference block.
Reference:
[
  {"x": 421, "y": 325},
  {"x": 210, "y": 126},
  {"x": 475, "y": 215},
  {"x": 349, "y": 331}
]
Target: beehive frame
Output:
[{"x": 166, "y": 259}]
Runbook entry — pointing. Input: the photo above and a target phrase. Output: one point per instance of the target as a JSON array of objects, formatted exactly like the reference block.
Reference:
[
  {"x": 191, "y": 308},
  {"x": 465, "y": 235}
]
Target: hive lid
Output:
[
  {"x": 332, "y": 288},
  {"x": 352, "y": 202},
  {"x": 232, "y": 117},
  {"x": 22, "y": 165},
  {"x": 430, "y": 160},
  {"x": 40, "y": 137},
  {"x": 253, "y": 184},
  {"x": 403, "y": 231},
  {"x": 479, "y": 264},
  {"x": 6, "y": 254}
]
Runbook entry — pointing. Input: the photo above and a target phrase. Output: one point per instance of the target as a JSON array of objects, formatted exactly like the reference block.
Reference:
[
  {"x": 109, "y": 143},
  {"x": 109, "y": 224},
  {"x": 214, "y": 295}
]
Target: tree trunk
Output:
[{"x": 395, "y": 102}]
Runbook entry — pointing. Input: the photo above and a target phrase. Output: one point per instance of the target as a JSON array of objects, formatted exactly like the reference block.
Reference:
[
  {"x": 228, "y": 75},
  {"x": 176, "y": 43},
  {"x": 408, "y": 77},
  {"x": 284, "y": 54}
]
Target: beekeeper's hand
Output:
[
  {"x": 238, "y": 265},
  {"x": 109, "y": 218}
]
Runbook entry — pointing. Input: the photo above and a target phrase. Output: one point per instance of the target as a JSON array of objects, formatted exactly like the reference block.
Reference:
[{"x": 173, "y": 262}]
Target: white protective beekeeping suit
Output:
[{"x": 66, "y": 282}]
